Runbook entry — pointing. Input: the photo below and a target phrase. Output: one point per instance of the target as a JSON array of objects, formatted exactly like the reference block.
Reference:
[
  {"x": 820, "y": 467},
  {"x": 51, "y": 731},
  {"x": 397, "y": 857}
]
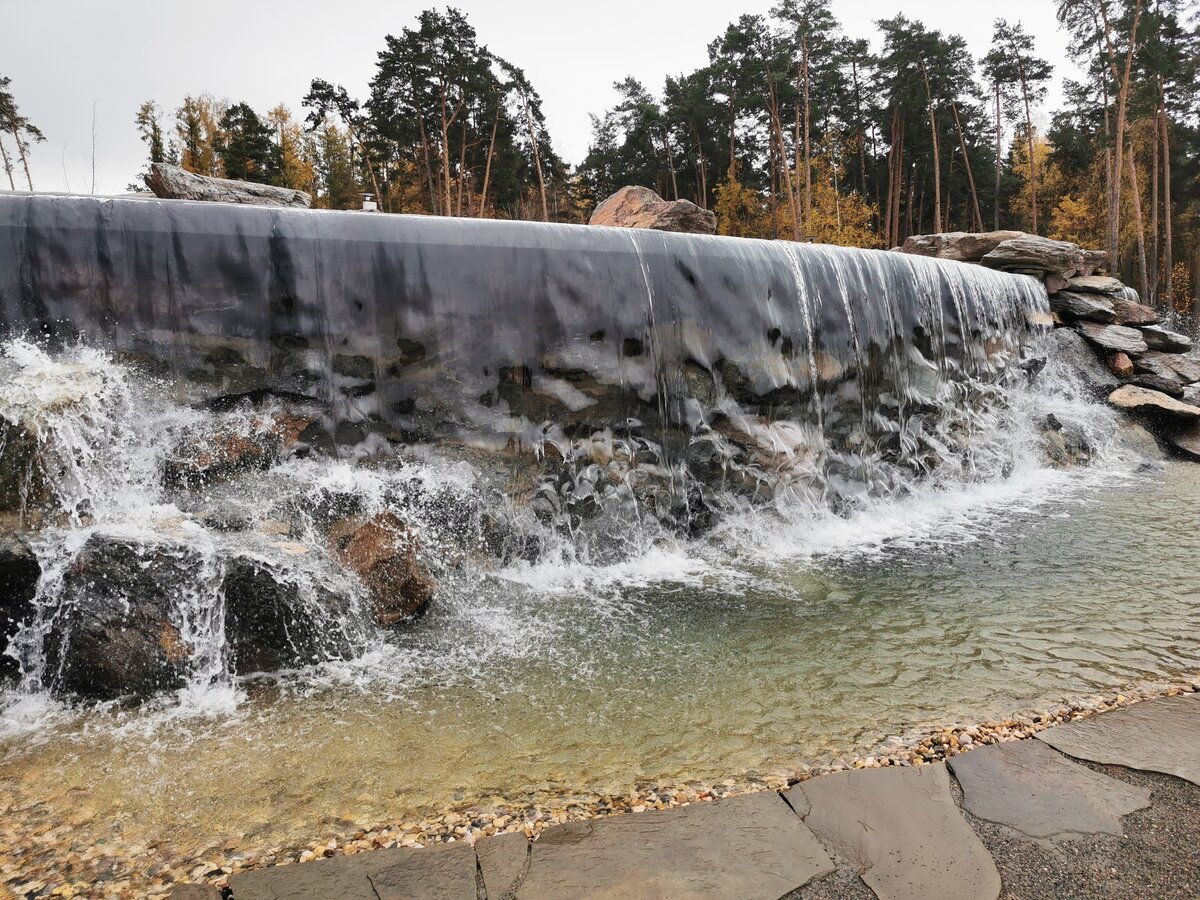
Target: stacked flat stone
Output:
[{"x": 1147, "y": 371}]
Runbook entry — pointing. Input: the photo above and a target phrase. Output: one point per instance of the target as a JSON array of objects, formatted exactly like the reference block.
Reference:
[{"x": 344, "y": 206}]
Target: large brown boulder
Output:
[
  {"x": 1029, "y": 253},
  {"x": 1150, "y": 402},
  {"x": 957, "y": 245},
  {"x": 383, "y": 553},
  {"x": 173, "y": 183},
  {"x": 639, "y": 207}
]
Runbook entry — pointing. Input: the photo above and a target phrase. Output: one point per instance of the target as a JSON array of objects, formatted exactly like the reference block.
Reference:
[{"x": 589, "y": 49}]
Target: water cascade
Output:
[{"x": 485, "y": 392}]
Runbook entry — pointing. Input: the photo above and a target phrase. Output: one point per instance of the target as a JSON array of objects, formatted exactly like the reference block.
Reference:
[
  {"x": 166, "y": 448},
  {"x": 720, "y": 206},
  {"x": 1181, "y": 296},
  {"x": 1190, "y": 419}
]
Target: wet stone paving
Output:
[{"x": 1094, "y": 808}]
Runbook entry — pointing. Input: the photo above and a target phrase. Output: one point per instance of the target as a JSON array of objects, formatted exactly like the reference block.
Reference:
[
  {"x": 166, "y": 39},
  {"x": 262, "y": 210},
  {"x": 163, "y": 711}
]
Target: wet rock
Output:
[
  {"x": 1146, "y": 401},
  {"x": 226, "y": 517},
  {"x": 1066, "y": 444},
  {"x": 116, "y": 634},
  {"x": 225, "y": 449},
  {"x": 174, "y": 183},
  {"x": 1168, "y": 386},
  {"x": 1188, "y": 441},
  {"x": 22, "y": 480},
  {"x": 1170, "y": 365},
  {"x": 1113, "y": 337},
  {"x": 1139, "y": 440},
  {"x": 1130, "y": 312},
  {"x": 1121, "y": 365},
  {"x": 1093, "y": 307},
  {"x": 957, "y": 245},
  {"x": 1095, "y": 284},
  {"x": 1055, "y": 283},
  {"x": 19, "y": 575},
  {"x": 384, "y": 554},
  {"x": 1030, "y": 252},
  {"x": 1159, "y": 338},
  {"x": 1072, "y": 352},
  {"x": 274, "y": 620},
  {"x": 639, "y": 207}
]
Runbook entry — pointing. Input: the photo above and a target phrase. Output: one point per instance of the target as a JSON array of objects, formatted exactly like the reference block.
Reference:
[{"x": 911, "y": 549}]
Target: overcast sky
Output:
[{"x": 68, "y": 57}]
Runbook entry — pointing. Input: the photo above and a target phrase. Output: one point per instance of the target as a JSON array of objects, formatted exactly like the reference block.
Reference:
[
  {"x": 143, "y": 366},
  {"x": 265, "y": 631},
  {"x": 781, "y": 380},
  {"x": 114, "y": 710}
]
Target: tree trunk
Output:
[
  {"x": 8, "y": 166},
  {"x": 1136, "y": 194},
  {"x": 427, "y": 154},
  {"x": 999, "y": 137},
  {"x": 1033, "y": 185},
  {"x": 862, "y": 134},
  {"x": 962, "y": 142},
  {"x": 1155, "y": 168},
  {"x": 447, "y": 200},
  {"x": 487, "y": 168},
  {"x": 888, "y": 220},
  {"x": 21, "y": 151},
  {"x": 807, "y": 132},
  {"x": 777, "y": 128},
  {"x": 937, "y": 163},
  {"x": 1114, "y": 225},
  {"x": 1168, "y": 236},
  {"x": 537, "y": 157}
]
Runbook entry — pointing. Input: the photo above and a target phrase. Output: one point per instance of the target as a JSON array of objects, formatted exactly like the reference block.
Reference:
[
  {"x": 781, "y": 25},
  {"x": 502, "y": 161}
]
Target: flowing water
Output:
[
  {"x": 696, "y": 509},
  {"x": 776, "y": 637}
]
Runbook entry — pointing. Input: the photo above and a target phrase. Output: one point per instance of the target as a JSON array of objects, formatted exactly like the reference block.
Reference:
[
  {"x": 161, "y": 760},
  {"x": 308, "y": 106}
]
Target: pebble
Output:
[{"x": 40, "y": 859}]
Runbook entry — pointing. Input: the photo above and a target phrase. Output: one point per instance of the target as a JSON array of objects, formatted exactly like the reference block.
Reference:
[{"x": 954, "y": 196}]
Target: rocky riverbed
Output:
[{"x": 46, "y": 851}]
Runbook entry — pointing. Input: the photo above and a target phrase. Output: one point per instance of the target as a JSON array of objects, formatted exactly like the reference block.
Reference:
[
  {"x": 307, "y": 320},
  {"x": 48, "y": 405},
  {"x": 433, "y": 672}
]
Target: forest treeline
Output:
[{"x": 792, "y": 130}]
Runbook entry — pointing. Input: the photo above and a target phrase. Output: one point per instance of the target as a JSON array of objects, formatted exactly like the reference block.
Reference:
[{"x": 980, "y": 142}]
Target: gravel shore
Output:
[{"x": 41, "y": 857}]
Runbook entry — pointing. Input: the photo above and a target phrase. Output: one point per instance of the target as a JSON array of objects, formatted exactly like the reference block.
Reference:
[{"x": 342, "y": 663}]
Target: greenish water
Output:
[{"x": 750, "y": 654}]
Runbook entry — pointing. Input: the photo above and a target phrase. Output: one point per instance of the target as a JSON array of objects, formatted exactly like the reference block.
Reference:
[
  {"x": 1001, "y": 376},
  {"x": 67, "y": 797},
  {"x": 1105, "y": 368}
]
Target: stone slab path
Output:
[
  {"x": 902, "y": 830},
  {"x": 1160, "y": 735},
  {"x": 899, "y": 829},
  {"x": 1042, "y": 794}
]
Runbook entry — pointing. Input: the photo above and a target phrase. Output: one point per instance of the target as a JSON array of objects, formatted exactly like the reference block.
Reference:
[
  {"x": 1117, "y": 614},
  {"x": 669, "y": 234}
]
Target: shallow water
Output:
[{"x": 761, "y": 648}]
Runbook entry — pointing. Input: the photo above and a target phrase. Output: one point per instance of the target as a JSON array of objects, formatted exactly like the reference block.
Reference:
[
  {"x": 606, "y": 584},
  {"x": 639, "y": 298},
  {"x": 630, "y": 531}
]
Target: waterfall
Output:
[{"x": 549, "y": 390}]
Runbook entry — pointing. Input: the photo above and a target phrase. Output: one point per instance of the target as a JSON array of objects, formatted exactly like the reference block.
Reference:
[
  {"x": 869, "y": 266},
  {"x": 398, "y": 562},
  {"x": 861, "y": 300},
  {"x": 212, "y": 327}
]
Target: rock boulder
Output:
[
  {"x": 1150, "y": 402},
  {"x": 1117, "y": 338},
  {"x": 274, "y": 621},
  {"x": 1069, "y": 350},
  {"x": 116, "y": 635},
  {"x": 1095, "y": 284},
  {"x": 19, "y": 575},
  {"x": 1032, "y": 253},
  {"x": 174, "y": 183},
  {"x": 957, "y": 245},
  {"x": 1130, "y": 312},
  {"x": 384, "y": 554},
  {"x": 639, "y": 207},
  {"x": 1159, "y": 338},
  {"x": 1093, "y": 307}
]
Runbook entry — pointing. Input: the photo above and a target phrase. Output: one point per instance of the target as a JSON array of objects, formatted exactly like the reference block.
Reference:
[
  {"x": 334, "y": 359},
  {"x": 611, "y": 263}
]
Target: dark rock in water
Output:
[
  {"x": 1153, "y": 403},
  {"x": 1030, "y": 252},
  {"x": 1130, "y": 312},
  {"x": 957, "y": 245},
  {"x": 1070, "y": 349},
  {"x": 22, "y": 481},
  {"x": 1093, "y": 307},
  {"x": 274, "y": 622},
  {"x": 227, "y": 517},
  {"x": 1170, "y": 365},
  {"x": 1113, "y": 337},
  {"x": 1121, "y": 365},
  {"x": 19, "y": 575},
  {"x": 1096, "y": 284},
  {"x": 317, "y": 437},
  {"x": 1167, "y": 386},
  {"x": 639, "y": 207},
  {"x": 385, "y": 555},
  {"x": 1159, "y": 338},
  {"x": 174, "y": 183},
  {"x": 210, "y": 457},
  {"x": 1188, "y": 441},
  {"x": 1065, "y": 443},
  {"x": 1140, "y": 440},
  {"x": 115, "y": 635}
]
